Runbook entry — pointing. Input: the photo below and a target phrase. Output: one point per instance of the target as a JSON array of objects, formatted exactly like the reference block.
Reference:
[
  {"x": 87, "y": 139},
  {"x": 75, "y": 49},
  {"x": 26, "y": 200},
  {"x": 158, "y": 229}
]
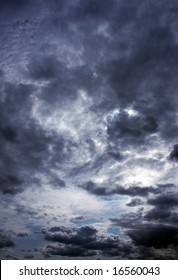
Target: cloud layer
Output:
[{"x": 88, "y": 129}]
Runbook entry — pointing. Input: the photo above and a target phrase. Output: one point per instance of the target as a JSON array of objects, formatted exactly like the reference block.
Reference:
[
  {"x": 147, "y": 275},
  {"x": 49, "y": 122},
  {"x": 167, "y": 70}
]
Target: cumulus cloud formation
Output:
[
  {"x": 88, "y": 129},
  {"x": 85, "y": 241}
]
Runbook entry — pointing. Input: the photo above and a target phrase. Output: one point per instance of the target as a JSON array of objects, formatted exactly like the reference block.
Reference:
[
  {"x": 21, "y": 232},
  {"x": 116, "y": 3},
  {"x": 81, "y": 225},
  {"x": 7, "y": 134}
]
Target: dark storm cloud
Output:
[
  {"x": 67, "y": 236},
  {"x": 124, "y": 126},
  {"x": 155, "y": 235},
  {"x": 165, "y": 201},
  {"x": 10, "y": 184},
  {"x": 12, "y": 110},
  {"x": 85, "y": 241},
  {"x": 143, "y": 247},
  {"x": 155, "y": 228},
  {"x": 130, "y": 191},
  {"x": 123, "y": 54},
  {"x": 136, "y": 191},
  {"x": 5, "y": 241},
  {"x": 164, "y": 209},
  {"x": 8, "y": 133},
  {"x": 162, "y": 215},
  {"x": 146, "y": 79},
  {"x": 157, "y": 214},
  {"x": 158, "y": 236},
  {"x": 174, "y": 154},
  {"x": 152, "y": 45}
]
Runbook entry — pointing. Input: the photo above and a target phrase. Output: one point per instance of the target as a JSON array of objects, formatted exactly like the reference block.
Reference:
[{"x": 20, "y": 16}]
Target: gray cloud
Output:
[
  {"x": 5, "y": 241},
  {"x": 44, "y": 68},
  {"x": 124, "y": 126},
  {"x": 130, "y": 191},
  {"x": 164, "y": 209},
  {"x": 162, "y": 215},
  {"x": 70, "y": 71},
  {"x": 68, "y": 251},
  {"x": 10, "y": 184},
  {"x": 64, "y": 235},
  {"x": 135, "y": 202},
  {"x": 85, "y": 241},
  {"x": 174, "y": 154},
  {"x": 24, "y": 144},
  {"x": 154, "y": 236},
  {"x": 165, "y": 201}
]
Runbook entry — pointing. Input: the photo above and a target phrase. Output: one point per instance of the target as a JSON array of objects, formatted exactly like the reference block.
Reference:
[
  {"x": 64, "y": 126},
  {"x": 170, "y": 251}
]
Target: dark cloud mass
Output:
[
  {"x": 174, "y": 154},
  {"x": 131, "y": 191},
  {"x": 165, "y": 201},
  {"x": 5, "y": 241},
  {"x": 134, "y": 127},
  {"x": 151, "y": 236},
  {"x": 85, "y": 241},
  {"x": 135, "y": 202},
  {"x": 88, "y": 129},
  {"x": 66, "y": 236}
]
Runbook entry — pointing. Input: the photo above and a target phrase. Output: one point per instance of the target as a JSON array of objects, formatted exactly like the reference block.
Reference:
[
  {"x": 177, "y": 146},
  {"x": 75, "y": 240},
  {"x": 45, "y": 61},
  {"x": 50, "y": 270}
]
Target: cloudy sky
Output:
[{"x": 88, "y": 129}]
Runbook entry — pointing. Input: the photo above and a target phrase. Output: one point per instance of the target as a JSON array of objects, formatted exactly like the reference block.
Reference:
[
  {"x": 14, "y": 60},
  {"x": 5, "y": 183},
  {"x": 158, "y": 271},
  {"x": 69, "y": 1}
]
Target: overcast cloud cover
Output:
[{"x": 88, "y": 129}]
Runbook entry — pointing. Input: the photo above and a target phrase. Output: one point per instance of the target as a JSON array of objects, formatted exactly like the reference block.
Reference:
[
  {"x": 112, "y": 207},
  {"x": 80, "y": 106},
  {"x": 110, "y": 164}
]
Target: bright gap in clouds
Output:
[
  {"x": 131, "y": 112},
  {"x": 141, "y": 176}
]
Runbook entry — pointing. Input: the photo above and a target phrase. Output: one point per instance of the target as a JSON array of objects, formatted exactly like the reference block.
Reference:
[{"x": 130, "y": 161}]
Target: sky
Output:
[{"x": 88, "y": 129}]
